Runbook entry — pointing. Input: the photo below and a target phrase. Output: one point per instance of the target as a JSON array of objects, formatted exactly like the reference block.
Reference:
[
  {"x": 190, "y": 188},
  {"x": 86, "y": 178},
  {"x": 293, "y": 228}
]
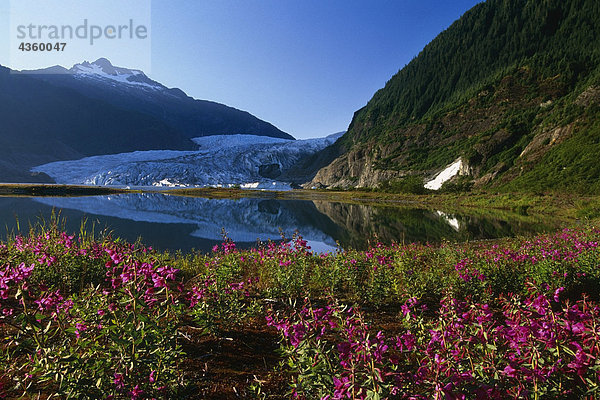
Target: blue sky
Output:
[{"x": 303, "y": 65}]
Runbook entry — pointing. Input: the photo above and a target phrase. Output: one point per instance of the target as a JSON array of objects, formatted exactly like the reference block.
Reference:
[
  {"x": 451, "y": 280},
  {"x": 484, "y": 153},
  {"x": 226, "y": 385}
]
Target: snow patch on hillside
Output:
[
  {"x": 102, "y": 70},
  {"x": 448, "y": 173},
  {"x": 95, "y": 71}
]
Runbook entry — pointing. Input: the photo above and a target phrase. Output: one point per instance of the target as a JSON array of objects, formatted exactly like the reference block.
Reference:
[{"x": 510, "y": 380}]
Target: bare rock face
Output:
[
  {"x": 543, "y": 141},
  {"x": 353, "y": 169},
  {"x": 490, "y": 176},
  {"x": 465, "y": 169},
  {"x": 589, "y": 96}
]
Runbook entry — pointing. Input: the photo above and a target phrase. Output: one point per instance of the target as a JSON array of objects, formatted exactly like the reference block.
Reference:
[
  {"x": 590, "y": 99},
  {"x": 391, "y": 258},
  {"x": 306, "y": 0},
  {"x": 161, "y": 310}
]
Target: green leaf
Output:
[
  {"x": 373, "y": 395},
  {"x": 48, "y": 327}
]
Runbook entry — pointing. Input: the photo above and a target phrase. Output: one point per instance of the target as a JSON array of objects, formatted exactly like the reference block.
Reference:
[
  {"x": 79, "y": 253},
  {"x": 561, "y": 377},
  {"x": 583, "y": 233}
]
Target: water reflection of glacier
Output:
[
  {"x": 186, "y": 223},
  {"x": 245, "y": 220}
]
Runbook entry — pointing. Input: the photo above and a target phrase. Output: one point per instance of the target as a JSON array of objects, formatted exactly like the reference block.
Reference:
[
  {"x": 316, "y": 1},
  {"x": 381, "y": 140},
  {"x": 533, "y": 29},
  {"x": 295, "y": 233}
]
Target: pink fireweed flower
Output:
[
  {"x": 510, "y": 371},
  {"x": 79, "y": 328},
  {"x": 136, "y": 392},
  {"x": 557, "y": 293},
  {"x": 22, "y": 272},
  {"x": 118, "y": 381},
  {"x": 342, "y": 387},
  {"x": 115, "y": 257},
  {"x": 169, "y": 273},
  {"x": 66, "y": 305},
  {"x": 285, "y": 263},
  {"x": 228, "y": 247},
  {"x": 50, "y": 301},
  {"x": 159, "y": 281}
]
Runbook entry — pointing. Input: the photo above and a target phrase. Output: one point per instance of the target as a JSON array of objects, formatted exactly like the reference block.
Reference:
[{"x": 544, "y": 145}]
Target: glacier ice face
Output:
[
  {"x": 227, "y": 141},
  {"x": 221, "y": 160}
]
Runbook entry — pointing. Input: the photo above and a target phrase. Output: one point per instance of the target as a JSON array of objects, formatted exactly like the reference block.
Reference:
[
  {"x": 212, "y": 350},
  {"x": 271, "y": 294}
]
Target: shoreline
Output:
[{"x": 569, "y": 206}]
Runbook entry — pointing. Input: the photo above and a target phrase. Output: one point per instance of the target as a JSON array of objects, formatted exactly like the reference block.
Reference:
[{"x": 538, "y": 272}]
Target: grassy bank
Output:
[
  {"x": 91, "y": 317},
  {"x": 566, "y": 206},
  {"x": 27, "y": 189}
]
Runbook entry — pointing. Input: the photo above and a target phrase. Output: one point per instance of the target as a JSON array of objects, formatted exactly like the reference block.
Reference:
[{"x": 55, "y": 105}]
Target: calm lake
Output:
[{"x": 173, "y": 223}]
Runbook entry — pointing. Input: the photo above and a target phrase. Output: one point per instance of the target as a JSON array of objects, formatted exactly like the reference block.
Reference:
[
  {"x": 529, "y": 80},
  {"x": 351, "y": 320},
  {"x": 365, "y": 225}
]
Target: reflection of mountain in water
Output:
[
  {"x": 245, "y": 220},
  {"x": 357, "y": 223},
  {"x": 173, "y": 222}
]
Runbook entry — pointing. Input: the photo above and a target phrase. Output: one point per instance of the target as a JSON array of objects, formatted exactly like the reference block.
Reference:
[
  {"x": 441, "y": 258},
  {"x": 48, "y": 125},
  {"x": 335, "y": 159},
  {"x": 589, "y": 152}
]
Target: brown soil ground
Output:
[{"x": 224, "y": 367}]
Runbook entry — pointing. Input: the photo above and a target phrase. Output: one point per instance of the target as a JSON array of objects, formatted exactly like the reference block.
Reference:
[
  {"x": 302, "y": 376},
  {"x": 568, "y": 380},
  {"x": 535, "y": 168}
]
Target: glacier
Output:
[{"x": 220, "y": 161}]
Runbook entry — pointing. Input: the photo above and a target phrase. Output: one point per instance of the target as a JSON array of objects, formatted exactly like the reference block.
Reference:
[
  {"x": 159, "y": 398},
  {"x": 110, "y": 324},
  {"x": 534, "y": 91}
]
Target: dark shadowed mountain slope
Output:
[
  {"x": 95, "y": 109},
  {"x": 42, "y": 122},
  {"x": 133, "y": 90}
]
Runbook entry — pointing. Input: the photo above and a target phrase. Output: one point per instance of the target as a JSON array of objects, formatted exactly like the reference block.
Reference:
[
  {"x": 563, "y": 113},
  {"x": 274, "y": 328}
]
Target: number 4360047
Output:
[{"x": 24, "y": 46}]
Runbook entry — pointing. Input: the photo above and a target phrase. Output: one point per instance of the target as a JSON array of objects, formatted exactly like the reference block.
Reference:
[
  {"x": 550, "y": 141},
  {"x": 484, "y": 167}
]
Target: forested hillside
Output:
[{"x": 511, "y": 88}]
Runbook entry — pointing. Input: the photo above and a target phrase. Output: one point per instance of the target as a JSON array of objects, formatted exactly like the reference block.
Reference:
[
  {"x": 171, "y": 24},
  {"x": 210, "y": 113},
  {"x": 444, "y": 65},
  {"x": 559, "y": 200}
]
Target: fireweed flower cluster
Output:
[
  {"x": 117, "y": 339},
  {"x": 504, "y": 319},
  {"x": 214, "y": 303},
  {"x": 530, "y": 348},
  {"x": 126, "y": 325},
  {"x": 332, "y": 353}
]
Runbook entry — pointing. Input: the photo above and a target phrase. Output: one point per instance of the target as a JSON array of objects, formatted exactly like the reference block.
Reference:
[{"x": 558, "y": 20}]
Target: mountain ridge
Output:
[
  {"x": 44, "y": 123},
  {"x": 132, "y": 89},
  {"x": 62, "y": 116}
]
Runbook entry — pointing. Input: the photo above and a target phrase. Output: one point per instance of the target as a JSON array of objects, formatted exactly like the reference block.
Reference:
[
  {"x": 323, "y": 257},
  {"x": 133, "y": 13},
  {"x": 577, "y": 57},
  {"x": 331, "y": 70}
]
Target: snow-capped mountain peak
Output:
[
  {"x": 103, "y": 66},
  {"x": 132, "y": 90},
  {"x": 103, "y": 69}
]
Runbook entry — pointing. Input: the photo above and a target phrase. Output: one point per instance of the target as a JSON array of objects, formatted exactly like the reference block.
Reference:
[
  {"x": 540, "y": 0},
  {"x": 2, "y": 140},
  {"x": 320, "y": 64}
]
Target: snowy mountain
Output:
[
  {"x": 91, "y": 109},
  {"x": 43, "y": 122},
  {"x": 246, "y": 160},
  {"x": 131, "y": 89},
  {"x": 103, "y": 71}
]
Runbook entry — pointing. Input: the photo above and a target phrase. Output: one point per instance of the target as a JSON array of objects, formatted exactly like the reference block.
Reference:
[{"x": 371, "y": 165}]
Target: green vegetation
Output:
[
  {"x": 506, "y": 77},
  {"x": 488, "y": 42},
  {"x": 572, "y": 167},
  {"x": 408, "y": 185},
  {"x": 90, "y": 317}
]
